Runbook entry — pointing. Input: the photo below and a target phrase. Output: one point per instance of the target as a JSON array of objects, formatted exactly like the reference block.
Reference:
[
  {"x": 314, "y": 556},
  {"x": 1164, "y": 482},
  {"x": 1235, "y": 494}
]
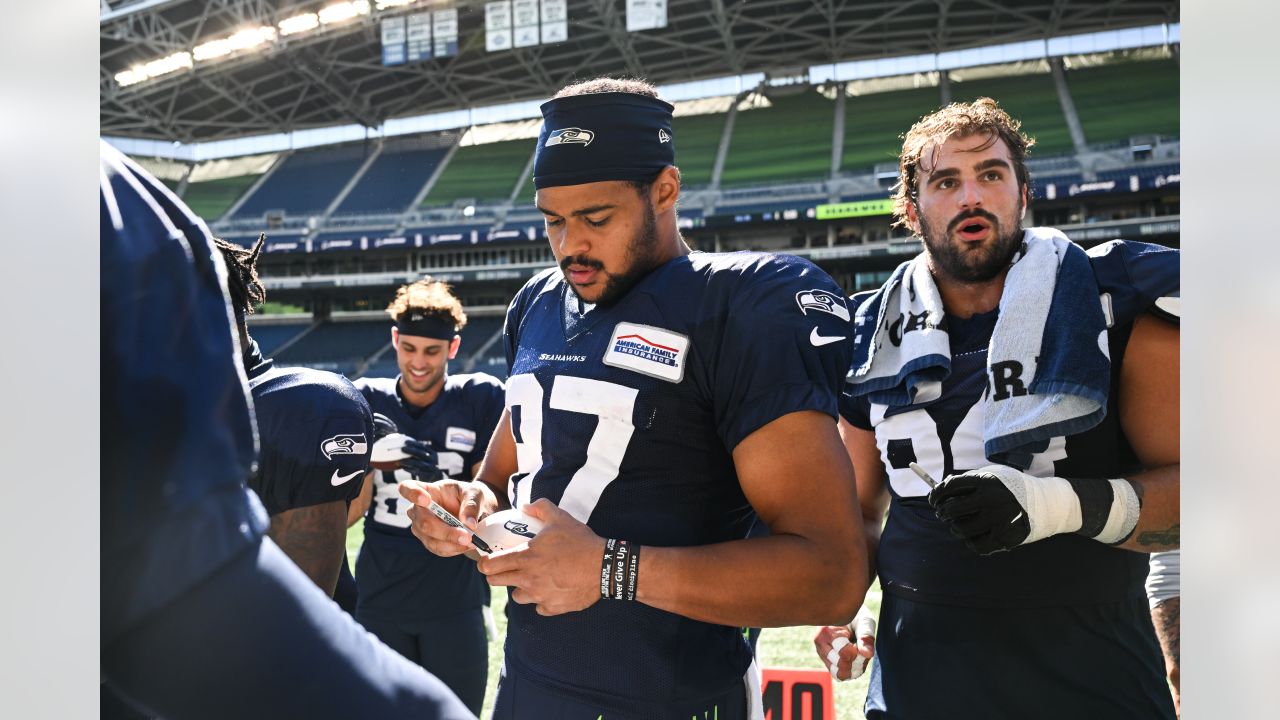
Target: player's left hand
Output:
[
  {"x": 558, "y": 571},
  {"x": 997, "y": 508},
  {"x": 423, "y": 463}
]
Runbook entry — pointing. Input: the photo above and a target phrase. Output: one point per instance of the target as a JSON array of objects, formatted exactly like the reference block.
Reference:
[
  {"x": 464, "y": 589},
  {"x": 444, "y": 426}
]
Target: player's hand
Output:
[
  {"x": 997, "y": 508},
  {"x": 847, "y": 649},
  {"x": 558, "y": 571},
  {"x": 467, "y": 501},
  {"x": 383, "y": 426},
  {"x": 423, "y": 463}
]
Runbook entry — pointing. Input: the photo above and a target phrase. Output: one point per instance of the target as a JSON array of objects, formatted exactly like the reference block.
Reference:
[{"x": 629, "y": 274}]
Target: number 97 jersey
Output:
[{"x": 626, "y": 416}]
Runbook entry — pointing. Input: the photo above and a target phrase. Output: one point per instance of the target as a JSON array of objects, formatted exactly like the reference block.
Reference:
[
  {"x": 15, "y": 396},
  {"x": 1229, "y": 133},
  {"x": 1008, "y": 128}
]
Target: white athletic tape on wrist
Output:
[
  {"x": 1123, "y": 517},
  {"x": 1052, "y": 506}
]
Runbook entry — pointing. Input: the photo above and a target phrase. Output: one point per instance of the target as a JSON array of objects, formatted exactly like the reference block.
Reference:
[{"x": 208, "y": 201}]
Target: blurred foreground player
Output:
[
  {"x": 201, "y": 616},
  {"x": 1014, "y": 401},
  {"x": 656, "y": 396},
  {"x": 315, "y": 431},
  {"x": 430, "y": 609}
]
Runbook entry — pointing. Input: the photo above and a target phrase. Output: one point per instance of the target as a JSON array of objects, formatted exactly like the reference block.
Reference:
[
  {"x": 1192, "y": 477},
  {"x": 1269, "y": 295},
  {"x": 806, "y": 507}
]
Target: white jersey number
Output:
[
  {"x": 389, "y": 508},
  {"x": 613, "y": 404}
]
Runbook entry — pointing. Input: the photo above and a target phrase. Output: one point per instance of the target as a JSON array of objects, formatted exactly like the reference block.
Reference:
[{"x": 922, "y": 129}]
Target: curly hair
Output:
[
  {"x": 244, "y": 286},
  {"x": 607, "y": 85},
  {"x": 980, "y": 117},
  {"x": 430, "y": 298}
]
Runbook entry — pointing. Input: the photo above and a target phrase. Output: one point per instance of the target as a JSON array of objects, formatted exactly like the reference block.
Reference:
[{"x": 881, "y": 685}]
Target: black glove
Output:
[
  {"x": 422, "y": 462},
  {"x": 383, "y": 426}
]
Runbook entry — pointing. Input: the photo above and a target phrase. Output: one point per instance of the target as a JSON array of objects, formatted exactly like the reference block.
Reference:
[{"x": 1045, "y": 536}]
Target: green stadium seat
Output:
[
  {"x": 697, "y": 139},
  {"x": 212, "y": 198},
  {"x": 1033, "y": 99},
  {"x": 874, "y": 124},
  {"x": 1123, "y": 99},
  {"x": 486, "y": 173},
  {"x": 790, "y": 140}
]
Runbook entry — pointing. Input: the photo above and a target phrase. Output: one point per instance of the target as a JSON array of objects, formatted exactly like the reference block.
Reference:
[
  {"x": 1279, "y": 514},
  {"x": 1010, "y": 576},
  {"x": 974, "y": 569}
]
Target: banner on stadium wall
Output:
[
  {"x": 497, "y": 26},
  {"x": 393, "y": 41},
  {"x": 646, "y": 15},
  {"x": 418, "y": 33},
  {"x": 444, "y": 27},
  {"x": 555, "y": 21},
  {"x": 797, "y": 694},
  {"x": 524, "y": 23},
  {"x": 862, "y": 208}
]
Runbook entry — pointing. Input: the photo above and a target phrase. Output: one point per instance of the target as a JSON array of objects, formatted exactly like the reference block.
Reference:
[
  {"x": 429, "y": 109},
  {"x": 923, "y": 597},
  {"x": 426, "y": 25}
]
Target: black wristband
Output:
[
  {"x": 606, "y": 569},
  {"x": 1096, "y": 497},
  {"x": 633, "y": 572},
  {"x": 620, "y": 560}
]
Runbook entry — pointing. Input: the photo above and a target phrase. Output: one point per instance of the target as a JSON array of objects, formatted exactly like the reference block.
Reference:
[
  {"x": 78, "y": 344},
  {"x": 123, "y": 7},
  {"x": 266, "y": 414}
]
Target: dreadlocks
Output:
[{"x": 243, "y": 284}]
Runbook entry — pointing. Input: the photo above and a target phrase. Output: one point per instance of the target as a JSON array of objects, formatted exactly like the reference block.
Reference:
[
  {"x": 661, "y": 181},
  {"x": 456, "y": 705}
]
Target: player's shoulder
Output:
[
  {"x": 1136, "y": 277},
  {"x": 376, "y": 386},
  {"x": 307, "y": 391},
  {"x": 746, "y": 280},
  {"x": 477, "y": 382}
]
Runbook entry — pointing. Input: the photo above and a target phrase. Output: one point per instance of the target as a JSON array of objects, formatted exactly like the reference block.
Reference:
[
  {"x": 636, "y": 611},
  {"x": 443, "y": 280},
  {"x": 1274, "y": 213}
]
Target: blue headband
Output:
[{"x": 603, "y": 136}]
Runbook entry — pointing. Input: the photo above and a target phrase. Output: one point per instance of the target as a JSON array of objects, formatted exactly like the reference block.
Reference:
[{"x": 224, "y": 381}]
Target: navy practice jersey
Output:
[
  {"x": 177, "y": 433},
  {"x": 316, "y": 433},
  {"x": 626, "y": 417},
  {"x": 399, "y": 579},
  {"x": 918, "y": 557}
]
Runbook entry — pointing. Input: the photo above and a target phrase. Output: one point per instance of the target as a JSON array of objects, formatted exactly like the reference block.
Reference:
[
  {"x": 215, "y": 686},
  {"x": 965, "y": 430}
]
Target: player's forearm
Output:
[
  {"x": 1158, "y": 524},
  {"x": 776, "y": 581}
]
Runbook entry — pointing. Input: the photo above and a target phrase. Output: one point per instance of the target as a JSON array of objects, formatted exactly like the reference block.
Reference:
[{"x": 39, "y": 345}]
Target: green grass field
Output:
[{"x": 779, "y": 647}]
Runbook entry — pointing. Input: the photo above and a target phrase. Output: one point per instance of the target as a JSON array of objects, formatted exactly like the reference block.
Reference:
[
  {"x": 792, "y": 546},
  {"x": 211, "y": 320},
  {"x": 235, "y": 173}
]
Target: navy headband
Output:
[
  {"x": 603, "y": 136},
  {"x": 426, "y": 326}
]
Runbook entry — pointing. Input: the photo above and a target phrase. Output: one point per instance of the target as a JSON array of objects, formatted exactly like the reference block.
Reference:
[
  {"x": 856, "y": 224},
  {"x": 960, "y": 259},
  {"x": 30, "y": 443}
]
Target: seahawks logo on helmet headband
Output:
[{"x": 570, "y": 136}]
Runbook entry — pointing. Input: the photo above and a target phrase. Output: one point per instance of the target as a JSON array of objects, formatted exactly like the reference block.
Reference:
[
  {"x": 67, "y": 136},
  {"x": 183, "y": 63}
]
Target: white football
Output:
[
  {"x": 388, "y": 451},
  {"x": 507, "y": 529}
]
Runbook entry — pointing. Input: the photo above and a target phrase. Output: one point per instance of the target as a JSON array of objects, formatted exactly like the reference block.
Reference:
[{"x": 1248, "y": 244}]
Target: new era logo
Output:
[{"x": 663, "y": 136}]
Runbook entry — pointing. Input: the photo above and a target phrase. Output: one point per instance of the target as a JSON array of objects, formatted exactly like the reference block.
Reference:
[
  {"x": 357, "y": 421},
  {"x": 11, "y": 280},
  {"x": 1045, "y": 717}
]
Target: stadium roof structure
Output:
[{"x": 264, "y": 80}]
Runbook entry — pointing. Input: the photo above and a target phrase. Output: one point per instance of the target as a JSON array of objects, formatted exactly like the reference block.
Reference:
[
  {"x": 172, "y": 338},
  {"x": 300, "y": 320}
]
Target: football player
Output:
[
  {"x": 1013, "y": 557},
  {"x": 203, "y": 617},
  {"x": 656, "y": 397},
  {"x": 432, "y": 610},
  {"x": 315, "y": 431}
]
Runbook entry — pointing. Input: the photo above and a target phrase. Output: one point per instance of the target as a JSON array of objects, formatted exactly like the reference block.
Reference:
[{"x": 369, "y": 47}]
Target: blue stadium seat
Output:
[
  {"x": 392, "y": 181},
  {"x": 307, "y": 181},
  {"x": 337, "y": 344},
  {"x": 270, "y": 337}
]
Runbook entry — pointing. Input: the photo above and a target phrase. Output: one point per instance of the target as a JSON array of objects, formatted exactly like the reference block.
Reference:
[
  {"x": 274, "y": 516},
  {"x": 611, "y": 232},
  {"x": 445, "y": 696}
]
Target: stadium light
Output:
[
  {"x": 243, "y": 40},
  {"x": 384, "y": 4},
  {"x": 155, "y": 68},
  {"x": 339, "y": 12},
  {"x": 298, "y": 23}
]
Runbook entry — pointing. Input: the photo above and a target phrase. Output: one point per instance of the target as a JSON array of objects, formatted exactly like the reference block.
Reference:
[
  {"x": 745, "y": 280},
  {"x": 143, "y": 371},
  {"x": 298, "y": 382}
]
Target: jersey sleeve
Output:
[
  {"x": 784, "y": 347},
  {"x": 319, "y": 459},
  {"x": 1138, "y": 277}
]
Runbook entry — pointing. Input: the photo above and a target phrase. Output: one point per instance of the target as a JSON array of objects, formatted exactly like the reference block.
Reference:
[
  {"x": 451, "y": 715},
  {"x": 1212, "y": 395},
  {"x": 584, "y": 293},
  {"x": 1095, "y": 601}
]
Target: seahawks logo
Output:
[
  {"x": 518, "y": 528},
  {"x": 344, "y": 445},
  {"x": 822, "y": 301},
  {"x": 570, "y": 136}
]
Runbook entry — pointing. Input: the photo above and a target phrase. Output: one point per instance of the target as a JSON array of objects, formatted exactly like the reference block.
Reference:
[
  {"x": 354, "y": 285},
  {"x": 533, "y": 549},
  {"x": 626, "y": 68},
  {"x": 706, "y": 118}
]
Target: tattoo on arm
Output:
[
  {"x": 1167, "y": 539},
  {"x": 313, "y": 537}
]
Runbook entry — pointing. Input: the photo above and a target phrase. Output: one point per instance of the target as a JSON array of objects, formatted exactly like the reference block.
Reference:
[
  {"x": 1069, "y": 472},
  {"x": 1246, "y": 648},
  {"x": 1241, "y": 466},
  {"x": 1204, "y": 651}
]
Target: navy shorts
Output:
[
  {"x": 520, "y": 698},
  {"x": 1100, "y": 662},
  {"x": 258, "y": 639},
  {"x": 454, "y": 649}
]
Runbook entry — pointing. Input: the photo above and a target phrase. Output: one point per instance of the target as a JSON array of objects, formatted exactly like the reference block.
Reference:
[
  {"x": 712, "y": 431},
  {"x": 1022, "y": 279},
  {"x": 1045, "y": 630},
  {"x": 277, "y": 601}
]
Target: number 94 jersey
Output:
[{"x": 626, "y": 417}]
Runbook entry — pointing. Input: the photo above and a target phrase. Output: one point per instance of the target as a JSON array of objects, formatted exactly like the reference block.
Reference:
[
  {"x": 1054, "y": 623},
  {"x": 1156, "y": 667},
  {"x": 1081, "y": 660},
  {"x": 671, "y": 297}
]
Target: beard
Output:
[
  {"x": 973, "y": 265},
  {"x": 640, "y": 260}
]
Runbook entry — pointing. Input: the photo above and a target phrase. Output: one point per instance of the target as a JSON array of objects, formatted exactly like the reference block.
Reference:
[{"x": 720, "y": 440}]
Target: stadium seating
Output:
[
  {"x": 337, "y": 346},
  {"x": 874, "y": 123},
  {"x": 270, "y": 337},
  {"x": 1033, "y": 99},
  {"x": 790, "y": 140},
  {"x": 212, "y": 198},
  {"x": 307, "y": 182},
  {"x": 485, "y": 173},
  {"x": 1122, "y": 99},
  {"x": 697, "y": 140},
  {"x": 393, "y": 180}
]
